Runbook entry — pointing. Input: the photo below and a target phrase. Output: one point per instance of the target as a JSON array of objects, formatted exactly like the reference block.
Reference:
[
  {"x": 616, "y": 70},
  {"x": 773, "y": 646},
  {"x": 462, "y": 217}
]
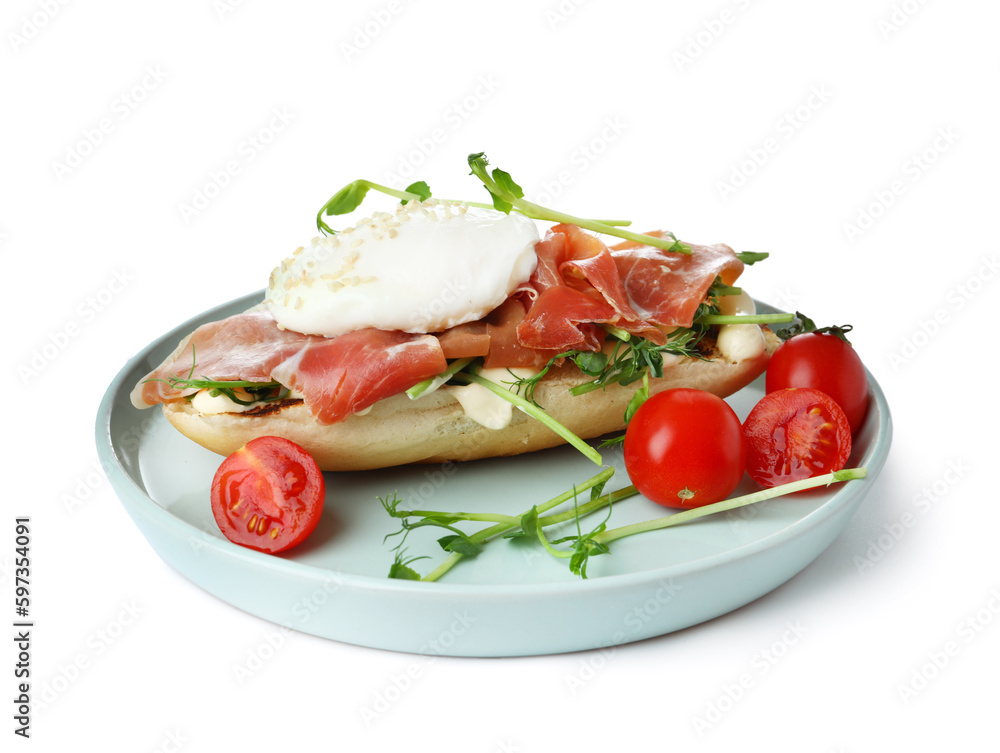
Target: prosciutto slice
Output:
[
  {"x": 665, "y": 287},
  {"x": 336, "y": 376},
  {"x": 580, "y": 283},
  {"x": 339, "y": 376},
  {"x": 246, "y": 347}
]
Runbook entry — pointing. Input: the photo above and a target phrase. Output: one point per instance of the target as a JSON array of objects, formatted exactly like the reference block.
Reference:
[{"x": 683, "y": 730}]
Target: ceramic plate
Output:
[{"x": 513, "y": 599}]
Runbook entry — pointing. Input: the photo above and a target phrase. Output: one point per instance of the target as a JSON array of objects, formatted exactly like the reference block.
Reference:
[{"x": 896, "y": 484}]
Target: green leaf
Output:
[
  {"x": 752, "y": 257},
  {"x": 347, "y": 199},
  {"x": 460, "y": 544},
  {"x": 420, "y": 188},
  {"x": 640, "y": 396},
  {"x": 591, "y": 364},
  {"x": 529, "y": 522},
  {"x": 507, "y": 184},
  {"x": 401, "y": 569},
  {"x": 499, "y": 203}
]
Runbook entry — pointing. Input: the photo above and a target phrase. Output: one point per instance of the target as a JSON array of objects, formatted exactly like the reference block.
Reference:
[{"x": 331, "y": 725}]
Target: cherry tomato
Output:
[
  {"x": 827, "y": 363},
  {"x": 268, "y": 495},
  {"x": 684, "y": 448},
  {"x": 795, "y": 433}
]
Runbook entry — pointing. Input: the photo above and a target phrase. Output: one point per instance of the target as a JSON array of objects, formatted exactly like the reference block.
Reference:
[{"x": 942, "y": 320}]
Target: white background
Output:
[{"x": 855, "y": 141}]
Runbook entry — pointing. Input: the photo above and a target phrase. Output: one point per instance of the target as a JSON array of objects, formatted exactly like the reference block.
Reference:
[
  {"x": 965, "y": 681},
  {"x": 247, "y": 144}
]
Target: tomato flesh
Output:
[
  {"x": 268, "y": 495},
  {"x": 826, "y": 363},
  {"x": 684, "y": 448},
  {"x": 793, "y": 434}
]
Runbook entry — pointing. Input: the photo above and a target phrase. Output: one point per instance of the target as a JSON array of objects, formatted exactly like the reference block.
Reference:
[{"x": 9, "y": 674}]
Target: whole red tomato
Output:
[
  {"x": 268, "y": 495},
  {"x": 684, "y": 448},
  {"x": 824, "y": 362}
]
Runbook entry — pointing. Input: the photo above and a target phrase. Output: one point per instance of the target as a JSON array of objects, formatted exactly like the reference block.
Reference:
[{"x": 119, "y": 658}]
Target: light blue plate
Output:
[{"x": 513, "y": 599}]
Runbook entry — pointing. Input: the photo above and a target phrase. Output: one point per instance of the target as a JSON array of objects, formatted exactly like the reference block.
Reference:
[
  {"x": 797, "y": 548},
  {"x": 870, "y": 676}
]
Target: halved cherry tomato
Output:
[
  {"x": 268, "y": 495},
  {"x": 684, "y": 448},
  {"x": 793, "y": 434},
  {"x": 824, "y": 362}
]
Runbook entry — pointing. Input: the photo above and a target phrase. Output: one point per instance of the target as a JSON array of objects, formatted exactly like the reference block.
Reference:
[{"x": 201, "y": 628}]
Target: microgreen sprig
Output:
[
  {"x": 508, "y": 195},
  {"x": 470, "y": 544},
  {"x": 349, "y": 198},
  {"x": 597, "y": 541}
]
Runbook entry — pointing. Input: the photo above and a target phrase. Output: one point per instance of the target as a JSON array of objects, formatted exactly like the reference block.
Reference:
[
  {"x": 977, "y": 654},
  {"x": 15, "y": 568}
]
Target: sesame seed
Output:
[
  {"x": 298, "y": 251},
  {"x": 393, "y": 232},
  {"x": 332, "y": 275},
  {"x": 298, "y": 302},
  {"x": 334, "y": 286}
]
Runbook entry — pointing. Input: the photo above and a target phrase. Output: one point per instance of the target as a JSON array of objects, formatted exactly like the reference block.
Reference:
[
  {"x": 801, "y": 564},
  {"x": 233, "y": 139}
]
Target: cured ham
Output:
[
  {"x": 246, "y": 346},
  {"x": 339, "y": 376},
  {"x": 335, "y": 376},
  {"x": 580, "y": 282},
  {"x": 666, "y": 288}
]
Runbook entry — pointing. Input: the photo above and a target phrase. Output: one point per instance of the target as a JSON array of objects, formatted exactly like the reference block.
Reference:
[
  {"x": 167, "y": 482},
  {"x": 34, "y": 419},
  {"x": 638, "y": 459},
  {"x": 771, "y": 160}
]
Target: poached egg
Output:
[{"x": 424, "y": 268}]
